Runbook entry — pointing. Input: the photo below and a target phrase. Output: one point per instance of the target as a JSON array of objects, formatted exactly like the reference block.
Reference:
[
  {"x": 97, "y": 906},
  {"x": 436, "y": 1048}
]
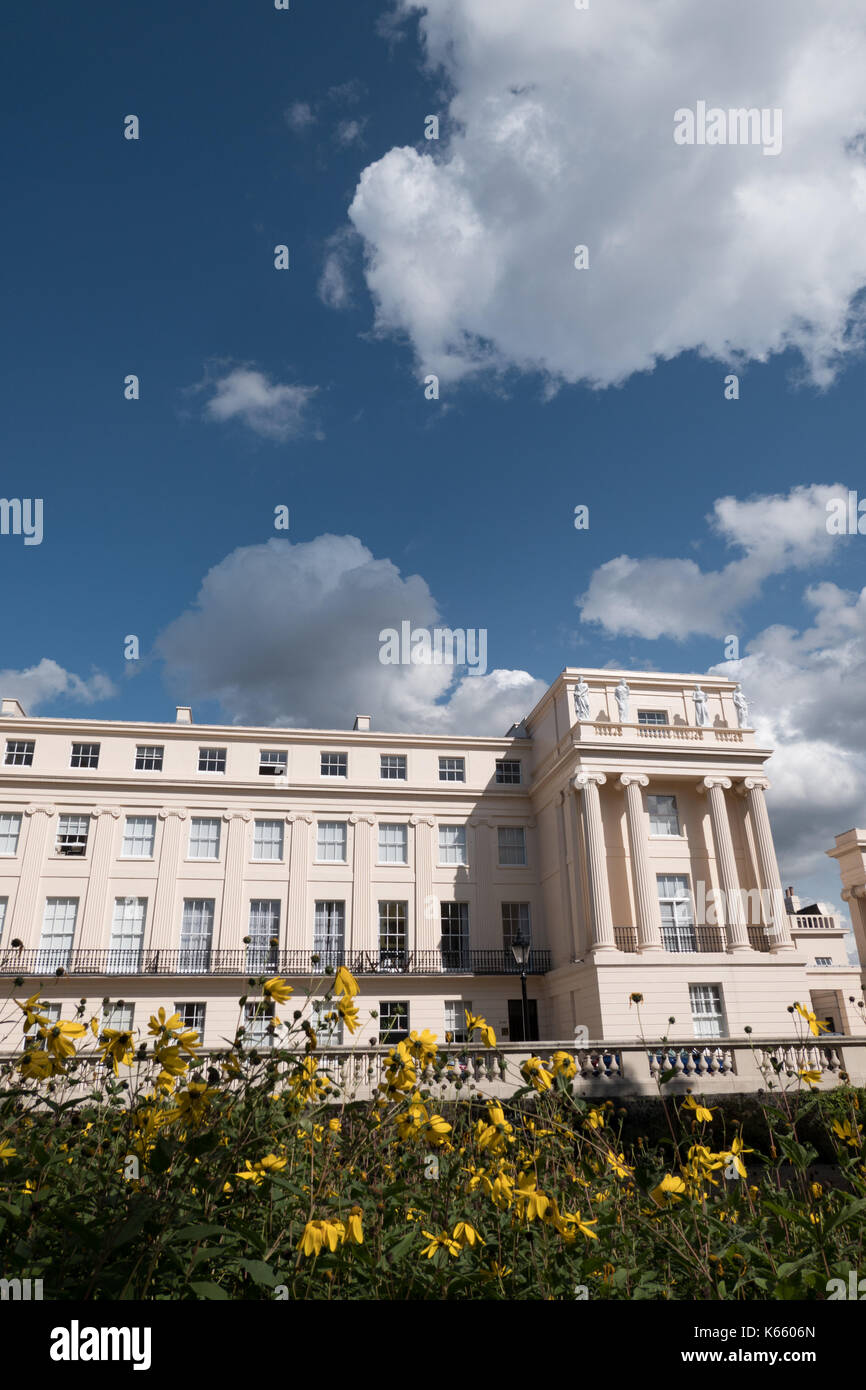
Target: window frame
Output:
[
  {"x": 502, "y": 781},
  {"x": 654, "y": 816},
  {"x": 342, "y": 764},
  {"x": 149, "y": 752},
  {"x": 270, "y": 758},
  {"x": 460, "y": 845},
  {"x": 392, "y": 1035},
  {"x": 459, "y": 771},
  {"x": 11, "y": 816},
  {"x": 89, "y": 765},
  {"x": 124, "y": 852},
  {"x": 392, "y": 825},
  {"x": 205, "y": 858},
  {"x": 270, "y": 858},
  {"x": 203, "y": 755},
  {"x": 27, "y": 747},
  {"x": 71, "y": 844},
  {"x": 506, "y": 863},
  {"x": 720, "y": 1017},
  {"x": 320, "y": 845},
  {"x": 388, "y": 775}
]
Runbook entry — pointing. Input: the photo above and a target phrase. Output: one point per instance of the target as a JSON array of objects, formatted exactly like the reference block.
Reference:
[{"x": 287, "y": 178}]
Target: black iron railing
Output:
[{"x": 81, "y": 961}]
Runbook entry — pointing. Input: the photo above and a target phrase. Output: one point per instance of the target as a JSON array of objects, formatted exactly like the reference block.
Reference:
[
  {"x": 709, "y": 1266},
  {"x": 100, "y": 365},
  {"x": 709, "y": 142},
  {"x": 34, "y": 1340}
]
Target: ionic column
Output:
[
  {"x": 649, "y": 918},
  {"x": 92, "y": 931},
  {"x": 24, "y": 924},
  {"x": 362, "y": 895},
  {"x": 164, "y": 930},
  {"x": 738, "y": 936},
  {"x": 596, "y": 861},
  {"x": 775, "y": 915},
  {"x": 299, "y": 932},
  {"x": 234, "y": 918},
  {"x": 481, "y": 861},
  {"x": 428, "y": 916}
]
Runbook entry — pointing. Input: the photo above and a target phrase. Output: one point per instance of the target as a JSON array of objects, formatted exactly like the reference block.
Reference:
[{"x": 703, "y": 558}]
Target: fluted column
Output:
[
  {"x": 234, "y": 918},
  {"x": 24, "y": 919},
  {"x": 596, "y": 861},
  {"x": 362, "y": 893},
  {"x": 93, "y": 924},
  {"x": 164, "y": 930},
  {"x": 776, "y": 917},
  {"x": 855, "y": 897},
  {"x": 738, "y": 936},
  {"x": 649, "y": 919},
  {"x": 428, "y": 915},
  {"x": 299, "y": 931},
  {"x": 481, "y": 862}
]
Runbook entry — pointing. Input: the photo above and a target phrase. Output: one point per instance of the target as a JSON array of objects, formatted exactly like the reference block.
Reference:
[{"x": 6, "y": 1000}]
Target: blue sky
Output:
[{"x": 156, "y": 257}]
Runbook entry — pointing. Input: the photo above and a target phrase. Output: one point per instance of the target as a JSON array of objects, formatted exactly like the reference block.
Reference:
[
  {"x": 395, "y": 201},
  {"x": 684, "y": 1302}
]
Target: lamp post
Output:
[{"x": 520, "y": 949}]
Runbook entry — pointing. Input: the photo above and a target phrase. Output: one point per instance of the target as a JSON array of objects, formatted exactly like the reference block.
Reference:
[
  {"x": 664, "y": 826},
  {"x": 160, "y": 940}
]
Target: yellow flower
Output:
[
  {"x": 815, "y": 1027},
  {"x": 534, "y": 1072},
  {"x": 305, "y": 1082},
  {"x": 354, "y": 1229},
  {"x": 564, "y": 1064},
  {"x": 266, "y": 1167},
  {"x": 36, "y": 1065},
  {"x": 423, "y": 1046},
  {"x": 811, "y": 1075},
  {"x": 116, "y": 1045},
  {"x": 441, "y": 1242},
  {"x": 476, "y": 1024},
  {"x": 619, "y": 1165},
  {"x": 535, "y": 1203},
  {"x": 348, "y": 1012},
  {"x": 703, "y": 1113},
  {"x": 670, "y": 1189},
  {"x": 158, "y": 1023},
  {"x": 595, "y": 1119},
  {"x": 334, "y": 1126},
  {"x": 465, "y": 1234},
  {"x": 850, "y": 1134},
  {"x": 57, "y": 1037},
  {"x": 6, "y": 1151},
  {"x": 345, "y": 983},
  {"x": 30, "y": 1009},
  {"x": 277, "y": 989},
  {"x": 170, "y": 1060},
  {"x": 733, "y": 1156},
  {"x": 436, "y": 1130},
  {"x": 319, "y": 1234},
  {"x": 816, "y": 1189}
]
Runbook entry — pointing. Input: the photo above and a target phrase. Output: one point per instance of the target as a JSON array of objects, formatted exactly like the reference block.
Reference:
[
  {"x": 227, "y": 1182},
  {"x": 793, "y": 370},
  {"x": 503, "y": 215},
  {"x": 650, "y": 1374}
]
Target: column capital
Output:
[
  {"x": 354, "y": 818},
  {"x": 857, "y": 891},
  {"x": 586, "y": 779},
  {"x": 707, "y": 783},
  {"x": 422, "y": 820},
  {"x": 168, "y": 811},
  {"x": 237, "y": 815},
  {"x": 753, "y": 784},
  {"x": 44, "y": 810},
  {"x": 299, "y": 815},
  {"x": 638, "y": 778},
  {"x": 113, "y": 811}
]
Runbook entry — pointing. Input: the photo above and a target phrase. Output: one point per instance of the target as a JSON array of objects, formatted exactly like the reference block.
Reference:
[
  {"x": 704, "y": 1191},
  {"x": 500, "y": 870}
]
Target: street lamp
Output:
[{"x": 520, "y": 949}]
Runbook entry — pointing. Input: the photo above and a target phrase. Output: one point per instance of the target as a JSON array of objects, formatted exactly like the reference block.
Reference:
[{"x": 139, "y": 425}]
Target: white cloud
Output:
[
  {"x": 334, "y": 286},
  {"x": 655, "y": 597},
  {"x": 299, "y": 116},
  {"x": 46, "y": 681},
  {"x": 272, "y": 410},
  {"x": 560, "y": 132},
  {"x": 289, "y": 635},
  {"x": 350, "y": 132}
]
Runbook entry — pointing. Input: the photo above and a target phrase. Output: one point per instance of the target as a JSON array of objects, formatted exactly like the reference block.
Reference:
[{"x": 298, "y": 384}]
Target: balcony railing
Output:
[
  {"x": 244, "y": 963},
  {"x": 691, "y": 940},
  {"x": 799, "y": 922},
  {"x": 682, "y": 733}
]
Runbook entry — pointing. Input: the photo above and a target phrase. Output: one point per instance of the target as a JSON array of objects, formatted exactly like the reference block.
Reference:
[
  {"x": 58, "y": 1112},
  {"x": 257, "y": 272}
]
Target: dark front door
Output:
[{"x": 515, "y": 1020}]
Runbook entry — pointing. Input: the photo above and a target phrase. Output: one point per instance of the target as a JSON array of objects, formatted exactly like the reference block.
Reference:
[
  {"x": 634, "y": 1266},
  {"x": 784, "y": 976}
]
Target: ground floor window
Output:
[
  {"x": 516, "y": 1031},
  {"x": 707, "y": 1013},
  {"x": 393, "y": 1020},
  {"x": 455, "y": 1020}
]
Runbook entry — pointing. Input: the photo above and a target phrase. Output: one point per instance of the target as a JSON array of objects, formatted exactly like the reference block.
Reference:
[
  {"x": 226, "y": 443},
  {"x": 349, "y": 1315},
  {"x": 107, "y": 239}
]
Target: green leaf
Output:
[
  {"x": 259, "y": 1272},
  {"x": 402, "y": 1246},
  {"x": 206, "y": 1289},
  {"x": 193, "y": 1233}
]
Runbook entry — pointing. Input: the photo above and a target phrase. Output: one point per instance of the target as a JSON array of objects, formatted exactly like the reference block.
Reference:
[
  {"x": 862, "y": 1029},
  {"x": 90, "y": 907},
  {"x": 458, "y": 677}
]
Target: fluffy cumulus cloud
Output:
[
  {"x": 271, "y": 409},
  {"x": 285, "y": 634},
  {"x": 560, "y": 132},
  {"x": 46, "y": 681},
  {"x": 659, "y": 597}
]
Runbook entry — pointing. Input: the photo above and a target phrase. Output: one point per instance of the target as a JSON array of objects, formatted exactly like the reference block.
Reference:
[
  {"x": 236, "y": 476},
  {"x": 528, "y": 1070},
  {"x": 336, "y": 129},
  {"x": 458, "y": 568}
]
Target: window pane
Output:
[
  {"x": 393, "y": 1020},
  {"x": 139, "y": 834},
  {"x": 393, "y": 935},
  {"x": 452, "y": 770},
  {"x": 211, "y": 760},
  {"x": 455, "y": 935},
  {"x": 393, "y": 843},
  {"x": 258, "y": 1017},
  {"x": 393, "y": 767},
  {"x": 148, "y": 758},
  {"x": 264, "y": 931},
  {"x": 652, "y": 716},
  {"x": 58, "y": 933},
  {"x": 512, "y": 844},
  {"x": 455, "y": 1019},
  {"x": 268, "y": 840},
  {"x": 335, "y": 764},
  {"x": 204, "y": 838},
  {"x": 663, "y": 815},
  {"x": 331, "y": 841},
  {"x": 127, "y": 935},
  {"x": 119, "y": 1017},
  {"x": 85, "y": 755},
  {"x": 19, "y": 752},
  {"x": 507, "y": 771},
  {"x": 452, "y": 844},
  {"x": 10, "y": 830},
  {"x": 192, "y": 1016},
  {"x": 328, "y": 935},
  {"x": 515, "y": 921},
  {"x": 195, "y": 934},
  {"x": 272, "y": 764}
]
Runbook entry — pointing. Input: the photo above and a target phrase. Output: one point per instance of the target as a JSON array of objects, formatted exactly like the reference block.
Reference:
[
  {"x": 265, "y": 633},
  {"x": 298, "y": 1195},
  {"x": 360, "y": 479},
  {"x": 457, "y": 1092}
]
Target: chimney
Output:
[
  {"x": 10, "y": 709},
  {"x": 362, "y": 723},
  {"x": 184, "y": 714}
]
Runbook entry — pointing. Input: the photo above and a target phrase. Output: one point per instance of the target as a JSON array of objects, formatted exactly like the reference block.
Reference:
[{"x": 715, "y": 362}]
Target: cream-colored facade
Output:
[{"x": 172, "y": 863}]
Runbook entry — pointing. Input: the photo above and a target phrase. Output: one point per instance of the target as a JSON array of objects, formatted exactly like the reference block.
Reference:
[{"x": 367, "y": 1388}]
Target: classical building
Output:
[{"x": 621, "y": 830}]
